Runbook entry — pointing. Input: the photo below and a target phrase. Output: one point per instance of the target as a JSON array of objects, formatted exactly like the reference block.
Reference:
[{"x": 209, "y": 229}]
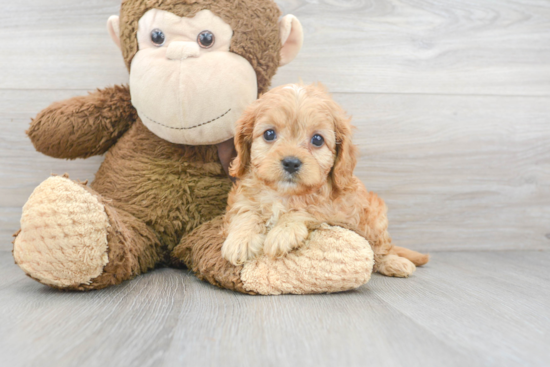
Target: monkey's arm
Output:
[{"x": 81, "y": 127}]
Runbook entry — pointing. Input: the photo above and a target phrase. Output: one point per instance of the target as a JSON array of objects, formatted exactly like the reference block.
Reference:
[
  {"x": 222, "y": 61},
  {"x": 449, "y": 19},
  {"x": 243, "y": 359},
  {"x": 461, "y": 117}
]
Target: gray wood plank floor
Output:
[{"x": 463, "y": 309}]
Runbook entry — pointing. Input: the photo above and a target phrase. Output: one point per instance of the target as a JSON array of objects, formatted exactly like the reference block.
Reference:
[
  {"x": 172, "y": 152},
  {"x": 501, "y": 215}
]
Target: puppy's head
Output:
[{"x": 295, "y": 138}]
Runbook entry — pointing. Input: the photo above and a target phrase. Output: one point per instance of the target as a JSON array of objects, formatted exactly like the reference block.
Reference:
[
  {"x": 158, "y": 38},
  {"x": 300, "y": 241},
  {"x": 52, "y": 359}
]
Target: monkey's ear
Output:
[
  {"x": 113, "y": 26},
  {"x": 292, "y": 38}
]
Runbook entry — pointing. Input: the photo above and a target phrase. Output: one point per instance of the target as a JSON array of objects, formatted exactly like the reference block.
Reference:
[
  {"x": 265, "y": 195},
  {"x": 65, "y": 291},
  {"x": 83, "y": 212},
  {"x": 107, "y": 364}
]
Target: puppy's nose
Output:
[{"x": 291, "y": 164}]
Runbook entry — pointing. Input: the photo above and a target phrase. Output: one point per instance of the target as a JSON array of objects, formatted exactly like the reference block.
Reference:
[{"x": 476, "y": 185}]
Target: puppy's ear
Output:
[
  {"x": 346, "y": 152},
  {"x": 243, "y": 142}
]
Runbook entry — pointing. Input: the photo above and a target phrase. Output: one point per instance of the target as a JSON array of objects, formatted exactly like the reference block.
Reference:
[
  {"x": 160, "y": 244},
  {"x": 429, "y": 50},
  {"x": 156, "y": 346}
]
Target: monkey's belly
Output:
[{"x": 172, "y": 188}]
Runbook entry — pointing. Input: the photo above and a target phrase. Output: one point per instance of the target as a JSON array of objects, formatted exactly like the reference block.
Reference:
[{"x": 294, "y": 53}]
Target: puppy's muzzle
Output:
[{"x": 291, "y": 164}]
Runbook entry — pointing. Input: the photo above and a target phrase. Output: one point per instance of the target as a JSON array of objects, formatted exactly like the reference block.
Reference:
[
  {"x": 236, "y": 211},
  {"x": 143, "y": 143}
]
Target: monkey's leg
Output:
[
  {"x": 201, "y": 251},
  {"x": 72, "y": 239},
  {"x": 333, "y": 259}
]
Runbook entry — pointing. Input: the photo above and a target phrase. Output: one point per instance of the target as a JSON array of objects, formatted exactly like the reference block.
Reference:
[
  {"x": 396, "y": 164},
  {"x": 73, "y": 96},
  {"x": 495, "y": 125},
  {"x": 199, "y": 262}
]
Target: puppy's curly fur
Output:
[{"x": 295, "y": 167}]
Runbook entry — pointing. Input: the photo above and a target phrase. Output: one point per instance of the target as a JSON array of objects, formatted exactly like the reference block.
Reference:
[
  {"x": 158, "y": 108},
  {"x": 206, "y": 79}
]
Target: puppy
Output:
[{"x": 295, "y": 162}]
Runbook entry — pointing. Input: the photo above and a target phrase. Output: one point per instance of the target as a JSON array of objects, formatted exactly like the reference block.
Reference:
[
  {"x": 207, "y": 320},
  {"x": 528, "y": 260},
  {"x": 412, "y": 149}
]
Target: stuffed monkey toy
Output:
[{"x": 158, "y": 197}]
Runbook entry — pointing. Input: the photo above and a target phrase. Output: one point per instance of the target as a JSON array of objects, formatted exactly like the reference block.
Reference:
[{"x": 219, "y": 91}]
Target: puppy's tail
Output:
[{"x": 416, "y": 258}]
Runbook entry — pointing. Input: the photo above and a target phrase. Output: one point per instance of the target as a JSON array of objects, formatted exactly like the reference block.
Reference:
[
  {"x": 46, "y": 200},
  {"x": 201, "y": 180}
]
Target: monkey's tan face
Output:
[
  {"x": 186, "y": 85},
  {"x": 294, "y": 144}
]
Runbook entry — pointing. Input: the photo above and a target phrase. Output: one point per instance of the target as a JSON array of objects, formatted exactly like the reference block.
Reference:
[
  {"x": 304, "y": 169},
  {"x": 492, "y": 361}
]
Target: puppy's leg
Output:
[
  {"x": 386, "y": 262},
  {"x": 375, "y": 225},
  {"x": 416, "y": 258},
  {"x": 245, "y": 239},
  {"x": 395, "y": 266},
  {"x": 289, "y": 232}
]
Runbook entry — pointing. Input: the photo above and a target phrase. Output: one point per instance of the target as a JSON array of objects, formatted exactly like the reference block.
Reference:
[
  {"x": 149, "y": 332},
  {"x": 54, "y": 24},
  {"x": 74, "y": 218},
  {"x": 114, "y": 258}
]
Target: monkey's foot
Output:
[
  {"x": 63, "y": 236},
  {"x": 332, "y": 259}
]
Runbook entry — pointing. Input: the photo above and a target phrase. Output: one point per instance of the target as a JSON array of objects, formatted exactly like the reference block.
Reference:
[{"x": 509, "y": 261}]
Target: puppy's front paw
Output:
[
  {"x": 240, "y": 247},
  {"x": 283, "y": 238},
  {"x": 396, "y": 266}
]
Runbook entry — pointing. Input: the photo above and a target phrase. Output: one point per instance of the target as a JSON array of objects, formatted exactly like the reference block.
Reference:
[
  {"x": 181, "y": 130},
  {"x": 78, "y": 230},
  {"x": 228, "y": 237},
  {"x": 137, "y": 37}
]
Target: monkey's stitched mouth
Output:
[{"x": 190, "y": 127}]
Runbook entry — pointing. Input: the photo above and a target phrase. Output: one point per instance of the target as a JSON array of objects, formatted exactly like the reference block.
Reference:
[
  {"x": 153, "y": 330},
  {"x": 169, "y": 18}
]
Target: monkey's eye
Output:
[
  {"x": 158, "y": 37},
  {"x": 206, "y": 39},
  {"x": 317, "y": 140},
  {"x": 270, "y": 135}
]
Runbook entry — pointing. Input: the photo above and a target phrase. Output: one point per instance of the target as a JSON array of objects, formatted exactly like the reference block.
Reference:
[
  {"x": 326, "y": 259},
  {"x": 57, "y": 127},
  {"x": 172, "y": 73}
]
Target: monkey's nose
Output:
[
  {"x": 182, "y": 50},
  {"x": 291, "y": 164}
]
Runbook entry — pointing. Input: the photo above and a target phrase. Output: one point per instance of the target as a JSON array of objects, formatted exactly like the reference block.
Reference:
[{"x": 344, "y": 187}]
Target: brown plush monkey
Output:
[{"x": 156, "y": 200}]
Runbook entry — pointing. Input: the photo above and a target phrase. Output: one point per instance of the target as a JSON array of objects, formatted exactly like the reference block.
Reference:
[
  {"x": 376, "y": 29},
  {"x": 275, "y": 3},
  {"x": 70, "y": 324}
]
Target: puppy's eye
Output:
[
  {"x": 317, "y": 140},
  {"x": 206, "y": 39},
  {"x": 270, "y": 135},
  {"x": 158, "y": 37}
]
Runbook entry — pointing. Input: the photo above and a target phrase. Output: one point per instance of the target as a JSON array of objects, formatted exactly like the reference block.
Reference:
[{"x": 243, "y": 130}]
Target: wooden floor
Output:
[
  {"x": 451, "y": 99},
  {"x": 463, "y": 309}
]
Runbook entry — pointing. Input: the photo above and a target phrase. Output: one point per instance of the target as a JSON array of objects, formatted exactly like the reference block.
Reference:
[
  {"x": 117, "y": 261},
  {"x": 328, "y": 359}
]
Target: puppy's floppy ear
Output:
[
  {"x": 243, "y": 142},
  {"x": 346, "y": 152}
]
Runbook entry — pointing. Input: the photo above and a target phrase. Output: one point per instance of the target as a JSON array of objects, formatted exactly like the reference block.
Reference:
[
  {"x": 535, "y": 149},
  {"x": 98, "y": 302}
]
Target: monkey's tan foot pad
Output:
[
  {"x": 333, "y": 259},
  {"x": 63, "y": 237}
]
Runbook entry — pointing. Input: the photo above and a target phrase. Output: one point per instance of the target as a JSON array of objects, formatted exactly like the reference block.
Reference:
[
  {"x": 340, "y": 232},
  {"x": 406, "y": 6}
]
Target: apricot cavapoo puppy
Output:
[{"x": 295, "y": 167}]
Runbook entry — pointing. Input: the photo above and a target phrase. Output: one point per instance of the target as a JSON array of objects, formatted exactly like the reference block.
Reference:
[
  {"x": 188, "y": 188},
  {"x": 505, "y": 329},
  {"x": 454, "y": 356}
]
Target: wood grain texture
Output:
[
  {"x": 474, "y": 309},
  {"x": 427, "y": 46},
  {"x": 58, "y": 44},
  {"x": 468, "y": 173},
  {"x": 375, "y": 46}
]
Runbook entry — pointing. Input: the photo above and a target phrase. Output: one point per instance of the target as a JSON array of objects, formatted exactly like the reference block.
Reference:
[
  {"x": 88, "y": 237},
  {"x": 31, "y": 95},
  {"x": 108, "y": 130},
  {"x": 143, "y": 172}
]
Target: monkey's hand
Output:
[{"x": 81, "y": 127}]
